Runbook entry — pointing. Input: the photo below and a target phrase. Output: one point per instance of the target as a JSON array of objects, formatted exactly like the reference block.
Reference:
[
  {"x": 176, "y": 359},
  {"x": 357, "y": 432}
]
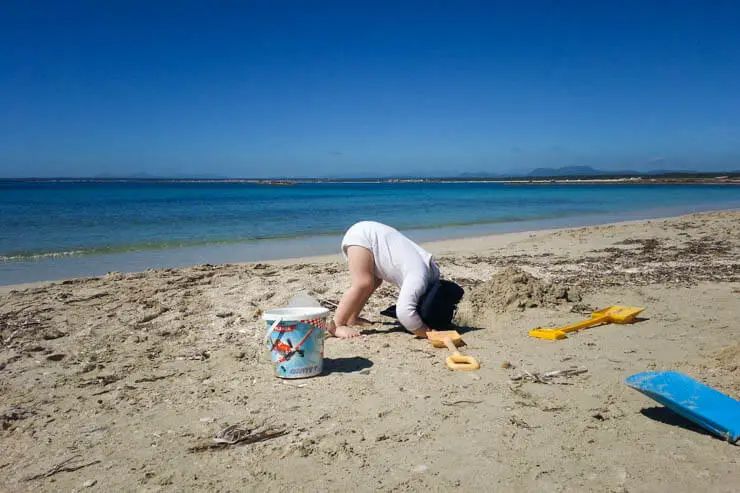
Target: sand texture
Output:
[{"x": 120, "y": 383}]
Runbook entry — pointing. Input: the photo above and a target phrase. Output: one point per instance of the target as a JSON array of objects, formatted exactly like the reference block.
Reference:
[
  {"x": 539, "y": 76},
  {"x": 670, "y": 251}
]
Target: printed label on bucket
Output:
[{"x": 297, "y": 348}]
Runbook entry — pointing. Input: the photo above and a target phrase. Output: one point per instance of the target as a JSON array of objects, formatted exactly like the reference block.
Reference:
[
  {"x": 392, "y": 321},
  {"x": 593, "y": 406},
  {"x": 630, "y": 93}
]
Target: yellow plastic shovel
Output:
[
  {"x": 611, "y": 314},
  {"x": 452, "y": 339},
  {"x": 437, "y": 337}
]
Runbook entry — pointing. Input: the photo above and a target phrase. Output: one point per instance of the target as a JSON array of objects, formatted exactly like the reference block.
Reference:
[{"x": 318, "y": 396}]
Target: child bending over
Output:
[{"x": 376, "y": 253}]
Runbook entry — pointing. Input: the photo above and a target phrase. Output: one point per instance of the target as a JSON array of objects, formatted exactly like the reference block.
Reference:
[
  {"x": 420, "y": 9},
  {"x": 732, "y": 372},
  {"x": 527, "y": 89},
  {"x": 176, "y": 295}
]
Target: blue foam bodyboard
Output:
[{"x": 710, "y": 409}]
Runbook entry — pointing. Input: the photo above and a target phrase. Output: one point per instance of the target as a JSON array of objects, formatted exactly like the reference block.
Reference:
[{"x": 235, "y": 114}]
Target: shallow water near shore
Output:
[{"x": 59, "y": 230}]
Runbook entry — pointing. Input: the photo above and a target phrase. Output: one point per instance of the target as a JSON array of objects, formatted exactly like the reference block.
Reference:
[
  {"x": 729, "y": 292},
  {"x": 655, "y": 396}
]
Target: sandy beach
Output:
[{"x": 119, "y": 383}]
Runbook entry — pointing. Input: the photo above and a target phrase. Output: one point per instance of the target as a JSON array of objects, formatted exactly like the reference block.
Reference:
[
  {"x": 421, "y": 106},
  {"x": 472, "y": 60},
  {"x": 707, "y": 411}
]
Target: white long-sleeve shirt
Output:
[{"x": 398, "y": 260}]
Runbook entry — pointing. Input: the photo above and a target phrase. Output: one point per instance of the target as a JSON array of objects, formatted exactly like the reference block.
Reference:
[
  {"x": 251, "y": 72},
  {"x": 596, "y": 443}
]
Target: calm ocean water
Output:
[{"x": 50, "y": 230}]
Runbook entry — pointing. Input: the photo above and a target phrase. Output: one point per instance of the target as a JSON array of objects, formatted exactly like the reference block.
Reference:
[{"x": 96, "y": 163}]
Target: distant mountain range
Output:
[
  {"x": 586, "y": 171},
  {"x": 589, "y": 171}
]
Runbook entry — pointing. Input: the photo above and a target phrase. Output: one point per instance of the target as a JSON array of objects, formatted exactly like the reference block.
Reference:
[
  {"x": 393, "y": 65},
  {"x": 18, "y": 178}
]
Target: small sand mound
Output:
[
  {"x": 513, "y": 289},
  {"x": 729, "y": 358},
  {"x": 724, "y": 368}
]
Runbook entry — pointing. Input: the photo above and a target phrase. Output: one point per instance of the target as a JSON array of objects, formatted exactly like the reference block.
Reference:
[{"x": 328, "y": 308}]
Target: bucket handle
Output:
[{"x": 272, "y": 327}]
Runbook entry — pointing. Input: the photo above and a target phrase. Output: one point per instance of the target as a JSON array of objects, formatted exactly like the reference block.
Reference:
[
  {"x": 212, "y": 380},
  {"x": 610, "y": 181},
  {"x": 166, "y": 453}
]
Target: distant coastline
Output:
[
  {"x": 673, "y": 179},
  {"x": 537, "y": 176}
]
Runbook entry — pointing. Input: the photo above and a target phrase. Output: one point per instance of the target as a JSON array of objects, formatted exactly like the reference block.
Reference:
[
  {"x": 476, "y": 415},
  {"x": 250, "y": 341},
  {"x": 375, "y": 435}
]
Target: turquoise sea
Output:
[{"x": 51, "y": 230}]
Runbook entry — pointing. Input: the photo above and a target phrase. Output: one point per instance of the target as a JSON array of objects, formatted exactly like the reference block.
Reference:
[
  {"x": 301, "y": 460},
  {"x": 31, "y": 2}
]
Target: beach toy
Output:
[
  {"x": 437, "y": 337},
  {"x": 703, "y": 405},
  {"x": 295, "y": 337},
  {"x": 611, "y": 314},
  {"x": 451, "y": 339}
]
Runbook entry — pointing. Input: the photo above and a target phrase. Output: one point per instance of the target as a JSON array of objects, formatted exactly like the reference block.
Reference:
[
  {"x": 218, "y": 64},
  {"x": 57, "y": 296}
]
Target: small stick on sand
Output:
[
  {"x": 565, "y": 373},
  {"x": 546, "y": 377},
  {"x": 232, "y": 435},
  {"x": 61, "y": 467},
  {"x": 521, "y": 423},
  {"x": 455, "y": 403},
  {"x": 104, "y": 391},
  {"x": 10, "y": 337},
  {"x": 154, "y": 379}
]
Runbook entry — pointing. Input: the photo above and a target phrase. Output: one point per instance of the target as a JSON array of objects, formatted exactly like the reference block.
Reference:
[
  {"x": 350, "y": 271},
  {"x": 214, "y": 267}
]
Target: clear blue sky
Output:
[{"x": 302, "y": 88}]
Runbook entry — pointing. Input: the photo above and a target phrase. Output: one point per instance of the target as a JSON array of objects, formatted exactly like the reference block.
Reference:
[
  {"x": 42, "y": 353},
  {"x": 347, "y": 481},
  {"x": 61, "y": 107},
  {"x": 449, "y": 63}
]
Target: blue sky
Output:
[{"x": 279, "y": 88}]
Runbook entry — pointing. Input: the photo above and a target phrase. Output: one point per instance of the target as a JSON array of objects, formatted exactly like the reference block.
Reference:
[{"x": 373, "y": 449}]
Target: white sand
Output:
[{"x": 132, "y": 370}]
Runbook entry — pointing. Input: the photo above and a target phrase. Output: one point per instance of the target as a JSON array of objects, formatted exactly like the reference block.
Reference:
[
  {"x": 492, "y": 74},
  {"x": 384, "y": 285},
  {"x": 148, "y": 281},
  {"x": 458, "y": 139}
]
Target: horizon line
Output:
[{"x": 472, "y": 177}]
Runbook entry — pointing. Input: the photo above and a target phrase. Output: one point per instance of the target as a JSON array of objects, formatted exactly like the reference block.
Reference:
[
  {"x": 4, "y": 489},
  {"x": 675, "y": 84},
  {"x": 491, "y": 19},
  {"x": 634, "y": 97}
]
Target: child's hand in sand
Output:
[{"x": 421, "y": 333}]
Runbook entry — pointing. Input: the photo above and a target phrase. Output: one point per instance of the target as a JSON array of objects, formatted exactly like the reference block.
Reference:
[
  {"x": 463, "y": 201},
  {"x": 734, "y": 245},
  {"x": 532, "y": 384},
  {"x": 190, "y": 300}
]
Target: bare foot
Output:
[
  {"x": 344, "y": 332},
  {"x": 361, "y": 322}
]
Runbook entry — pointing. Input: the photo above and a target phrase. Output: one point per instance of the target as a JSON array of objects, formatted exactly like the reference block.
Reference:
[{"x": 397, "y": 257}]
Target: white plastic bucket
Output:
[{"x": 295, "y": 337}]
